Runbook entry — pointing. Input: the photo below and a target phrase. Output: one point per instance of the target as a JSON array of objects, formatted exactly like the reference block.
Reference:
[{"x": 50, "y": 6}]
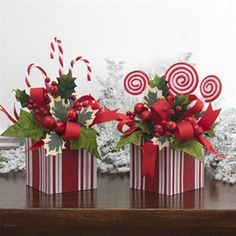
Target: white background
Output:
[{"x": 146, "y": 34}]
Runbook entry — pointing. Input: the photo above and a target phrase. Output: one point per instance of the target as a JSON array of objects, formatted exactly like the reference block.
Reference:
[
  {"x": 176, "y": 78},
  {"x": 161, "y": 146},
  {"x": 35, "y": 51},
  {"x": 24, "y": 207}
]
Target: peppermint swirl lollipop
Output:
[
  {"x": 182, "y": 78},
  {"x": 135, "y": 82},
  {"x": 210, "y": 88}
]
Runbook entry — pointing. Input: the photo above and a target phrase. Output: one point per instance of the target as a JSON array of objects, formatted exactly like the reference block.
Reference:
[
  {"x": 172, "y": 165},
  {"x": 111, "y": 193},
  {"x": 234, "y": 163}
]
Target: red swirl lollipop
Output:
[
  {"x": 210, "y": 88},
  {"x": 135, "y": 82},
  {"x": 182, "y": 78}
]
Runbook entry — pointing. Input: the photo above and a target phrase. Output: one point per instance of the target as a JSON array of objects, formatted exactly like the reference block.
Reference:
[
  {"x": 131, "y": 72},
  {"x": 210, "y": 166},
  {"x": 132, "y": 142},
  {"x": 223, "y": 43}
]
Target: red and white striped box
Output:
[
  {"x": 73, "y": 170},
  {"x": 176, "y": 172}
]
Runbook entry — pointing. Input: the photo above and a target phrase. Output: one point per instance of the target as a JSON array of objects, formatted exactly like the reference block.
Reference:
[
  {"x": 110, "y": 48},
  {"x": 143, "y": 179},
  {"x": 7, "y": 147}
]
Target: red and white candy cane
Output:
[
  {"x": 182, "y": 78},
  {"x": 210, "y": 88},
  {"x": 28, "y": 72},
  {"x": 57, "y": 42},
  {"x": 135, "y": 82},
  {"x": 80, "y": 58}
]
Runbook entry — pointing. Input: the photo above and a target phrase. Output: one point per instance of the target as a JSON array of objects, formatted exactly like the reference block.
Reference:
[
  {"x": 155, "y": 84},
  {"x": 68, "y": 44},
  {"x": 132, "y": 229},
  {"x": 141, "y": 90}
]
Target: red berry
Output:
[
  {"x": 146, "y": 115},
  {"x": 171, "y": 125},
  {"x": 54, "y": 83},
  {"x": 158, "y": 135},
  {"x": 172, "y": 112},
  {"x": 167, "y": 134},
  {"x": 35, "y": 105},
  {"x": 95, "y": 105},
  {"x": 47, "y": 90},
  {"x": 138, "y": 108},
  {"x": 178, "y": 108},
  {"x": 158, "y": 128},
  {"x": 60, "y": 127},
  {"x": 192, "y": 120},
  {"x": 73, "y": 97},
  {"x": 47, "y": 80},
  {"x": 48, "y": 122},
  {"x": 72, "y": 114},
  {"x": 29, "y": 106},
  {"x": 42, "y": 109},
  {"x": 196, "y": 127}
]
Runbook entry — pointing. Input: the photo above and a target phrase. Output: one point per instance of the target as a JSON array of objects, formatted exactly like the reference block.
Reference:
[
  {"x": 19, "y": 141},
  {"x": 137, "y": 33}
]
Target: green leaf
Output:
[
  {"x": 59, "y": 109},
  {"x": 211, "y": 133},
  {"x": 146, "y": 127},
  {"x": 86, "y": 116},
  {"x": 25, "y": 127},
  {"x": 152, "y": 96},
  {"x": 53, "y": 143},
  {"x": 22, "y": 97},
  {"x": 181, "y": 101},
  {"x": 66, "y": 86},
  {"x": 135, "y": 138},
  {"x": 192, "y": 147},
  {"x": 160, "y": 83},
  {"x": 87, "y": 141}
]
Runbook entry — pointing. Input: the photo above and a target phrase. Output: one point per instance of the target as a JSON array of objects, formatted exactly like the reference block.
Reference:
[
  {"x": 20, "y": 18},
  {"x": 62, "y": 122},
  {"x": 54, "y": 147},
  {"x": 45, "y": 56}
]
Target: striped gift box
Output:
[
  {"x": 176, "y": 172},
  {"x": 73, "y": 170}
]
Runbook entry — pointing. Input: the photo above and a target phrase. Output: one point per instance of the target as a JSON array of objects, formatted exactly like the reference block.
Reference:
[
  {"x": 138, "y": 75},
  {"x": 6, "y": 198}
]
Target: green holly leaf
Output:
[
  {"x": 146, "y": 127},
  {"x": 192, "y": 147},
  {"x": 66, "y": 86},
  {"x": 22, "y": 97},
  {"x": 181, "y": 101},
  {"x": 152, "y": 96},
  {"x": 135, "y": 138},
  {"x": 25, "y": 127},
  {"x": 87, "y": 141},
  {"x": 59, "y": 109},
  {"x": 86, "y": 116},
  {"x": 160, "y": 83},
  {"x": 53, "y": 143},
  {"x": 211, "y": 133}
]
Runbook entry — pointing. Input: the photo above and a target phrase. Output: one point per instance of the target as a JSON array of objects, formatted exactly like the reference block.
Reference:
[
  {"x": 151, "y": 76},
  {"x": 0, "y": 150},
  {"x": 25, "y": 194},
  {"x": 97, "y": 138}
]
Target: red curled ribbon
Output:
[
  {"x": 158, "y": 113},
  {"x": 184, "y": 131}
]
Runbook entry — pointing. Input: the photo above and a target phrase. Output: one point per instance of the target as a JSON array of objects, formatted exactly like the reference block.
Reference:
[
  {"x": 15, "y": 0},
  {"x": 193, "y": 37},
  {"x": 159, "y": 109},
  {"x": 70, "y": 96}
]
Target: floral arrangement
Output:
[
  {"x": 170, "y": 115},
  {"x": 54, "y": 116}
]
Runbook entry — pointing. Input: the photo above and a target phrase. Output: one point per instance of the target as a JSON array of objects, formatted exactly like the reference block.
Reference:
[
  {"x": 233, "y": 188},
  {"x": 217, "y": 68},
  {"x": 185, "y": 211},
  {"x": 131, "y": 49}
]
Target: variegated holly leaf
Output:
[
  {"x": 152, "y": 95},
  {"x": 161, "y": 142},
  {"x": 86, "y": 116},
  {"x": 59, "y": 108},
  {"x": 53, "y": 144}
]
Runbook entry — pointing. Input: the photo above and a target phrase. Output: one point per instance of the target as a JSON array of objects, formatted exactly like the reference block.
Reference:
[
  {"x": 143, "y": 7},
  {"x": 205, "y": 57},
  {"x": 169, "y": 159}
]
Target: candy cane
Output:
[
  {"x": 60, "y": 54},
  {"x": 79, "y": 58},
  {"x": 29, "y": 69}
]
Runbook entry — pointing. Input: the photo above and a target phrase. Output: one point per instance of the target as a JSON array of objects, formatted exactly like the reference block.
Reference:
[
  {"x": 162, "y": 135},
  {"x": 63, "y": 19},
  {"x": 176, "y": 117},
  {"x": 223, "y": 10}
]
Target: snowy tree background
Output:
[{"x": 114, "y": 96}]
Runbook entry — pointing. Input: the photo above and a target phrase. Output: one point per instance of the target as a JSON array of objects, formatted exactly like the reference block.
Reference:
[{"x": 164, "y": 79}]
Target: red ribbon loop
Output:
[
  {"x": 208, "y": 118},
  {"x": 37, "y": 94},
  {"x": 184, "y": 131},
  {"x": 158, "y": 113},
  {"x": 130, "y": 123},
  {"x": 196, "y": 108},
  {"x": 72, "y": 131}
]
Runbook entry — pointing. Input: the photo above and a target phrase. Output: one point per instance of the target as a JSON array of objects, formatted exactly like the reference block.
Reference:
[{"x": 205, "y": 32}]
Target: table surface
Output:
[
  {"x": 114, "y": 193},
  {"x": 114, "y": 209}
]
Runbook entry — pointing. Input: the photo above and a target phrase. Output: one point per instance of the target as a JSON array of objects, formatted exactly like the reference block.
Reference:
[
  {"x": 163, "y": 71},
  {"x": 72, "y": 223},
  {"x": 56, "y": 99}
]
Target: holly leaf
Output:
[
  {"x": 66, "y": 86},
  {"x": 53, "y": 144},
  {"x": 59, "y": 109},
  {"x": 160, "y": 83},
  {"x": 22, "y": 97},
  {"x": 181, "y": 101},
  {"x": 146, "y": 127},
  {"x": 191, "y": 147},
  {"x": 211, "y": 133},
  {"x": 152, "y": 95},
  {"x": 87, "y": 141},
  {"x": 161, "y": 142},
  {"x": 25, "y": 127},
  {"x": 86, "y": 116},
  {"x": 135, "y": 138}
]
